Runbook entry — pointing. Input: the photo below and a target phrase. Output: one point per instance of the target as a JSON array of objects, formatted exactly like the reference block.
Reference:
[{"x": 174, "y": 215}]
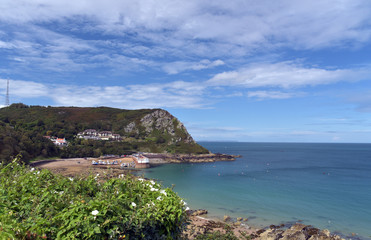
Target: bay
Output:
[{"x": 321, "y": 184}]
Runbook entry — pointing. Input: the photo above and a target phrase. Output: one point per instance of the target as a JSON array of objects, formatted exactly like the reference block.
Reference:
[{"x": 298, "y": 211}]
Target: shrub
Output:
[{"x": 36, "y": 204}]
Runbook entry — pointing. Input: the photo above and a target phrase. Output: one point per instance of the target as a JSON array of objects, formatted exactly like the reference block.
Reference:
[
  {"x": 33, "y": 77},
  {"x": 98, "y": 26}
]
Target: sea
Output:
[{"x": 324, "y": 185}]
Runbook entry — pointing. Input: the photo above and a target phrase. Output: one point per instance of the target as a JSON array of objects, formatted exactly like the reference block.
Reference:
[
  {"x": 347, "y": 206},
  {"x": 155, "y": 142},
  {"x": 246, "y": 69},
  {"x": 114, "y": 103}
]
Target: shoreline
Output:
[
  {"x": 164, "y": 158},
  {"x": 200, "y": 223}
]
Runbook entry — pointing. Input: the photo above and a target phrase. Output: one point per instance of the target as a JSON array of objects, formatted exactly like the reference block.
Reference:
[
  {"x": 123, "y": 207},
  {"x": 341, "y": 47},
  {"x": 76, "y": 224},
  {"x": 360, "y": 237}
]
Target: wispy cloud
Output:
[
  {"x": 169, "y": 95},
  {"x": 76, "y": 31},
  {"x": 180, "y": 66},
  {"x": 261, "y": 95},
  {"x": 317, "y": 24},
  {"x": 285, "y": 75}
]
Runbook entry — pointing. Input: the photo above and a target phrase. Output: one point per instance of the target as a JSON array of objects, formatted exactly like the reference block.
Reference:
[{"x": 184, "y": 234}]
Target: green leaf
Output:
[{"x": 97, "y": 230}]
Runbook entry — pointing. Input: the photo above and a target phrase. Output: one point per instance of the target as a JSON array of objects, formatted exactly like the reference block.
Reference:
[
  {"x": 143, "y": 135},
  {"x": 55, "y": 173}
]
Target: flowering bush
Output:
[{"x": 36, "y": 204}]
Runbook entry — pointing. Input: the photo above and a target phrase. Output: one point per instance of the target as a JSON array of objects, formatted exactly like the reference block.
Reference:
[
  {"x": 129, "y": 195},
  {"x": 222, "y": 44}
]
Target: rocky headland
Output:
[{"x": 162, "y": 158}]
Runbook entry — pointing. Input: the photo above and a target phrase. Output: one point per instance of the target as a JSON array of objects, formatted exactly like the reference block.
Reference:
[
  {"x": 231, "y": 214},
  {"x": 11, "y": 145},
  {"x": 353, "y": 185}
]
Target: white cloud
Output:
[
  {"x": 25, "y": 89},
  {"x": 131, "y": 97},
  {"x": 180, "y": 66},
  {"x": 177, "y": 94},
  {"x": 285, "y": 75},
  {"x": 261, "y": 95},
  {"x": 185, "y": 25}
]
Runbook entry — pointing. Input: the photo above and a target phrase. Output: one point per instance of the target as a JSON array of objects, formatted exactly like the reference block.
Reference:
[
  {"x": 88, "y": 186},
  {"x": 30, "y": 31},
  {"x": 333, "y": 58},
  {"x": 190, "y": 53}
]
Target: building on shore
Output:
[{"x": 140, "y": 161}]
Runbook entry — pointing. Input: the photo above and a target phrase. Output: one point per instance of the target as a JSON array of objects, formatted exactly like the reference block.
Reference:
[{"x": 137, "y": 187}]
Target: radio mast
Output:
[{"x": 7, "y": 94}]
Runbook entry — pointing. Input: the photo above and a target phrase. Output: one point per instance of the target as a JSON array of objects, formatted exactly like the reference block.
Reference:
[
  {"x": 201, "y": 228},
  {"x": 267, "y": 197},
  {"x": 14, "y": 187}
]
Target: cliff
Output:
[{"x": 22, "y": 128}]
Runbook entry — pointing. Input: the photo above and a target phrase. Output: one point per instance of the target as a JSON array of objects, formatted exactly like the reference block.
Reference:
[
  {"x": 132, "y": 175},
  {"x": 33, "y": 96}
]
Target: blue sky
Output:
[{"x": 238, "y": 70}]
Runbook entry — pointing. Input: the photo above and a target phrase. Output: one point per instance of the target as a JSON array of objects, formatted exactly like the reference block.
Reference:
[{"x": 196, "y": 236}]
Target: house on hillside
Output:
[
  {"x": 93, "y": 134},
  {"x": 90, "y": 132},
  {"x": 116, "y": 137},
  {"x": 60, "y": 142}
]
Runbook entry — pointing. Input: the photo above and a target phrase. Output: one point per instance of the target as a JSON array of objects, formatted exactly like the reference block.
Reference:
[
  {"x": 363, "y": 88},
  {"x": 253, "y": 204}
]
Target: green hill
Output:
[{"x": 22, "y": 130}]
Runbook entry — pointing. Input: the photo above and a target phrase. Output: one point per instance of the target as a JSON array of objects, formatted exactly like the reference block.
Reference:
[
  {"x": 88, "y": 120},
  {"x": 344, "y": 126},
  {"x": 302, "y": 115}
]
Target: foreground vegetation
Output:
[{"x": 36, "y": 204}]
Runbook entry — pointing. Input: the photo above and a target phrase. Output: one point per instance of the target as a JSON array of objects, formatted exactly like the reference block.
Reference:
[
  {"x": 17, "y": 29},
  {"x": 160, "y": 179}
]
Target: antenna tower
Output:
[{"x": 7, "y": 94}]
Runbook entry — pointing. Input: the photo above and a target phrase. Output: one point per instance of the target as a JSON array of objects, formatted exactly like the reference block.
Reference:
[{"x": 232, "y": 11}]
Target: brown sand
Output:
[{"x": 81, "y": 166}]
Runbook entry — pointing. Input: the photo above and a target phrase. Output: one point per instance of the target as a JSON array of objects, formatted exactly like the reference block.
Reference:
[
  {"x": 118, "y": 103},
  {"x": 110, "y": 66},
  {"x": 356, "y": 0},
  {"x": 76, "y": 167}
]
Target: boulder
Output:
[
  {"x": 295, "y": 236},
  {"x": 198, "y": 212},
  {"x": 226, "y": 218},
  {"x": 268, "y": 235},
  {"x": 325, "y": 232},
  {"x": 237, "y": 223},
  {"x": 312, "y": 231},
  {"x": 297, "y": 227}
]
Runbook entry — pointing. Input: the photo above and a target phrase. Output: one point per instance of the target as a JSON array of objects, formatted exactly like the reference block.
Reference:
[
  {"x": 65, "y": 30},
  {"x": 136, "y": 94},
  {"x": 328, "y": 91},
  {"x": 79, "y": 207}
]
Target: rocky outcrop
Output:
[
  {"x": 131, "y": 127},
  {"x": 296, "y": 232},
  {"x": 164, "y": 123},
  {"x": 158, "y": 158},
  {"x": 198, "y": 212}
]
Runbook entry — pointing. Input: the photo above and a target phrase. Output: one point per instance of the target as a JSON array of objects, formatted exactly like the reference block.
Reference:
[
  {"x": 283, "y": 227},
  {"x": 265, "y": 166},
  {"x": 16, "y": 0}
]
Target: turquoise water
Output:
[{"x": 325, "y": 185}]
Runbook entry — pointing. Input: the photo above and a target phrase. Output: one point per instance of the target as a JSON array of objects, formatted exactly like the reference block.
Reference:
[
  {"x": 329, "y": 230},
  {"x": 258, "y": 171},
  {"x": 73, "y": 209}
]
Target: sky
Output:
[{"x": 237, "y": 70}]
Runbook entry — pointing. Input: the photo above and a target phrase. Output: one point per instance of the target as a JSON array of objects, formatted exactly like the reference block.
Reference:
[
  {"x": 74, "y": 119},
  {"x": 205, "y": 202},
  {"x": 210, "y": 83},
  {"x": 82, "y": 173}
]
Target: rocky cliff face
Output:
[{"x": 162, "y": 123}]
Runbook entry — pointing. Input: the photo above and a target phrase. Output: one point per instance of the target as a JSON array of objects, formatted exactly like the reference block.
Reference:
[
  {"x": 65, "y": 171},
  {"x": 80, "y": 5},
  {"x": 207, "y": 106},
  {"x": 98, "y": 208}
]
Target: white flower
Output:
[
  {"x": 32, "y": 169},
  {"x": 133, "y": 204},
  {"x": 187, "y": 208},
  {"x": 141, "y": 179},
  {"x": 184, "y": 203},
  {"x": 152, "y": 182},
  {"x": 153, "y": 189},
  {"x": 163, "y": 192},
  {"x": 159, "y": 198},
  {"x": 95, "y": 212},
  {"x": 38, "y": 172},
  {"x": 71, "y": 179}
]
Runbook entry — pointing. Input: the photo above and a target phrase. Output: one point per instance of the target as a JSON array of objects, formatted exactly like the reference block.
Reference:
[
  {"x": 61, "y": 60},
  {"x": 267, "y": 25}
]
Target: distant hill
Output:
[{"x": 22, "y": 130}]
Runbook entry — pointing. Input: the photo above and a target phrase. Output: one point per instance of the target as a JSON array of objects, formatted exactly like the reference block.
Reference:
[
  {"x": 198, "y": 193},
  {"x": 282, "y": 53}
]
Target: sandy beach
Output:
[{"x": 79, "y": 166}]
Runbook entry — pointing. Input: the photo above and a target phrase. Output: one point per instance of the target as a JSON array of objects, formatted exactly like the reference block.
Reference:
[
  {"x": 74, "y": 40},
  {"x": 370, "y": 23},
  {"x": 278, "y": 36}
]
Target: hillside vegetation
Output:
[{"x": 22, "y": 129}]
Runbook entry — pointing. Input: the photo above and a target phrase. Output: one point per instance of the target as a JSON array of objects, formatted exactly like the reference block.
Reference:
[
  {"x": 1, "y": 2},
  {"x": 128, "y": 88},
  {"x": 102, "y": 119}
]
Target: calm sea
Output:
[{"x": 324, "y": 185}]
